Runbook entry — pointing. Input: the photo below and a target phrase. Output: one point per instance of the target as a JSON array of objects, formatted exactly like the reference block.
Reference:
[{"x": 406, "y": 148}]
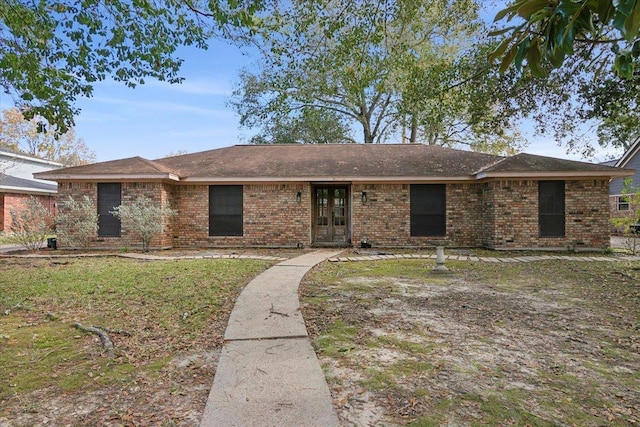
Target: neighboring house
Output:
[
  {"x": 618, "y": 202},
  {"x": 17, "y": 184},
  {"x": 407, "y": 195}
]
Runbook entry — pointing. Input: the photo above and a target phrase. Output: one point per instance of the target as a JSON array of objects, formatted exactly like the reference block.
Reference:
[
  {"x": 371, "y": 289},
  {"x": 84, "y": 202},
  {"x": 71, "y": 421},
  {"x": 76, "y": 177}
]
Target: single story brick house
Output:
[{"x": 402, "y": 195}]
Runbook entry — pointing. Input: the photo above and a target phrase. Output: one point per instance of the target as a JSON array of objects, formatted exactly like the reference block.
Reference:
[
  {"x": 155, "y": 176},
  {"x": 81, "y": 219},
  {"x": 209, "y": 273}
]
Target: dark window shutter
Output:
[
  {"x": 225, "y": 210},
  {"x": 551, "y": 208},
  {"x": 428, "y": 210},
  {"x": 109, "y": 197}
]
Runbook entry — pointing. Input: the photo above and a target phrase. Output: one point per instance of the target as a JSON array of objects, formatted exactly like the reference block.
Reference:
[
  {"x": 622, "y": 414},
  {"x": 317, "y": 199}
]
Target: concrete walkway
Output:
[{"x": 268, "y": 373}]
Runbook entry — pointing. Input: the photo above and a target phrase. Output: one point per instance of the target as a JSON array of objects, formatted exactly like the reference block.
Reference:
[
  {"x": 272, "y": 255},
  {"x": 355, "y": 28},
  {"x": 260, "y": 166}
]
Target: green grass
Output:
[{"x": 169, "y": 307}]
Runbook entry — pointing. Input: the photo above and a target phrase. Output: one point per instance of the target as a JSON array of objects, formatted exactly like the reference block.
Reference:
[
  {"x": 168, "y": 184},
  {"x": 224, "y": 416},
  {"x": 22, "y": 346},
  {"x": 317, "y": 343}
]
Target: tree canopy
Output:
[
  {"x": 25, "y": 136},
  {"x": 580, "y": 59},
  {"x": 547, "y": 32},
  {"x": 396, "y": 70},
  {"x": 52, "y": 52}
]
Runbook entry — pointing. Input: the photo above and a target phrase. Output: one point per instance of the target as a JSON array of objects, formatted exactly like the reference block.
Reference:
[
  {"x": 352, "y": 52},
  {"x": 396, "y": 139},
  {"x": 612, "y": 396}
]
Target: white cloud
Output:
[
  {"x": 195, "y": 87},
  {"x": 166, "y": 107}
]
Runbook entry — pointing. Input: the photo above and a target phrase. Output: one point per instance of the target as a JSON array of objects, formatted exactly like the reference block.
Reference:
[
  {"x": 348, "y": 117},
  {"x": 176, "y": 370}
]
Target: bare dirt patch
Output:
[{"x": 549, "y": 343}]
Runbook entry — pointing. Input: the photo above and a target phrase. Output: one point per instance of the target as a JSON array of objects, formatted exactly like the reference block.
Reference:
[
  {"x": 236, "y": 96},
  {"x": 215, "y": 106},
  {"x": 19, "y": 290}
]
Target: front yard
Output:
[
  {"x": 528, "y": 344},
  {"x": 166, "y": 320},
  {"x": 533, "y": 344}
]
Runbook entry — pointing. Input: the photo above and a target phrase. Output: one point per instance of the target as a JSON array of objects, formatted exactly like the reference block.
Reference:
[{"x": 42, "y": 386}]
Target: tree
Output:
[
  {"x": 562, "y": 49},
  {"x": 52, "y": 52},
  {"x": 31, "y": 224},
  {"x": 550, "y": 31},
  {"x": 77, "y": 222},
  {"x": 304, "y": 125},
  {"x": 145, "y": 218},
  {"x": 25, "y": 136},
  {"x": 375, "y": 64}
]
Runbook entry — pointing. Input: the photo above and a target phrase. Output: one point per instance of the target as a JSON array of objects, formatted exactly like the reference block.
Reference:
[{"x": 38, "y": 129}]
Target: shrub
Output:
[
  {"x": 77, "y": 222},
  {"x": 144, "y": 217},
  {"x": 31, "y": 225}
]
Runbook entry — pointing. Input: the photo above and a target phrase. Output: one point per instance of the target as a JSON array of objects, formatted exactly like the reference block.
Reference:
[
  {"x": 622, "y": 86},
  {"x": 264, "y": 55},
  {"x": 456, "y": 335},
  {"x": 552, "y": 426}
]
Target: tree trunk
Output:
[{"x": 414, "y": 129}]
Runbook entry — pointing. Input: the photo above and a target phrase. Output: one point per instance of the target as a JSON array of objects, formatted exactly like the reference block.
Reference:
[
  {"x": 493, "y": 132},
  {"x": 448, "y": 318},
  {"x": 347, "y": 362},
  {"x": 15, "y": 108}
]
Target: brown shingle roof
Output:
[
  {"x": 330, "y": 162},
  {"x": 524, "y": 162},
  {"x": 132, "y": 166}
]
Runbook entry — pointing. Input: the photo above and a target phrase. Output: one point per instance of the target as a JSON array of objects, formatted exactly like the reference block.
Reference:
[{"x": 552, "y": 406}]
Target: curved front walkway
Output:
[{"x": 268, "y": 373}]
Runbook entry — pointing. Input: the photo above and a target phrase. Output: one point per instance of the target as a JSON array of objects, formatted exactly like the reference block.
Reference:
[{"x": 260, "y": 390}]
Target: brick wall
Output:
[
  {"x": 587, "y": 213},
  {"x": 510, "y": 212},
  {"x": 271, "y": 216},
  {"x": 385, "y": 219},
  {"x": 156, "y": 191},
  {"x": 15, "y": 201},
  {"x": 511, "y": 215},
  {"x": 499, "y": 214}
]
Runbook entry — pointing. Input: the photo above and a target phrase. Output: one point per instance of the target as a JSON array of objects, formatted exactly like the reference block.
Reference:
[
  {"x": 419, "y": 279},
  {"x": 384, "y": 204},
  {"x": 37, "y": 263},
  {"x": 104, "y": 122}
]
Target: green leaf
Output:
[
  {"x": 605, "y": 10},
  {"x": 533, "y": 60},
  {"x": 499, "y": 51},
  {"x": 509, "y": 10},
  {"x": 532, "y": 6},
  {"x": 624, "y": 6},
  {"x": 632, "y": 24},
  {"x": 623, "y": 65},
  {"x": 501, "y": 31},
  {"x": 523, "y": 47},
  {"x": 508, "y": 58}
]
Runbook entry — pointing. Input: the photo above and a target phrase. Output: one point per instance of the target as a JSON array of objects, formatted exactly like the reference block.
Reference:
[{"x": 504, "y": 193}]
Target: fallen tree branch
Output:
[
  {"x": 104, "y": 338},
  {"x": 9, "y": 310},
  {"x": 113, "y": 331}
]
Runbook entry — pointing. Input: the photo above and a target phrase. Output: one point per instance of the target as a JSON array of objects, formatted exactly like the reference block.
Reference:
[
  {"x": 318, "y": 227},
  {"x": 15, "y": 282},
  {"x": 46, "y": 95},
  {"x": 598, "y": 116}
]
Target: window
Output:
[
  {"x": 551, "y": 208},
  {"x": 623, "y": 203},
  {"x": 428, "y": 210},
  {"x": 225, "y": 210},
  {"x": 109, "y": 197}
]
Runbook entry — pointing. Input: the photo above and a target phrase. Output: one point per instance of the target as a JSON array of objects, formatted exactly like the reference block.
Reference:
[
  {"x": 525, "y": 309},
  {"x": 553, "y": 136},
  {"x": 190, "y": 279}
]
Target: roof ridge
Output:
[
  {"x": 490, "y": 165},
  {"x": 156, "y": 166}
]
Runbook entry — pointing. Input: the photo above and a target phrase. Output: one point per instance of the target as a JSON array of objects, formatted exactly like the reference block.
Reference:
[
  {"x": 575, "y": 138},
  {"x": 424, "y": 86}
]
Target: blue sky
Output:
[{"x": 156, "y": 119}]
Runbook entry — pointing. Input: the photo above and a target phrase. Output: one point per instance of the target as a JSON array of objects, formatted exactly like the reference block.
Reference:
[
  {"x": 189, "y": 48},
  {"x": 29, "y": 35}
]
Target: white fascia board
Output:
[
  {"x": 628, "y": 155},
  {"x": 31, "y": 159},
  {"x": 25, "y": 190}
]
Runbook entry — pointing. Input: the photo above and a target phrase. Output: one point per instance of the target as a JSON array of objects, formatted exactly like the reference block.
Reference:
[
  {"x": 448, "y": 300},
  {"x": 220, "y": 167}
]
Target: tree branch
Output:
[{"x": 104, "y": 338}]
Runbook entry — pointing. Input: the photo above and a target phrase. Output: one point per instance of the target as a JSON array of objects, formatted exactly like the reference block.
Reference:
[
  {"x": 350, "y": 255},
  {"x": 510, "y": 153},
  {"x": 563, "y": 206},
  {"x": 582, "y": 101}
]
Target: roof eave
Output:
[
  {"x": 26, "y": 190},
  {"x": 106, "y": 177},
  {"x": 628, "y": 155},
  {"x": 31, "y": 159},
  {"x": 557, "y": 174}
]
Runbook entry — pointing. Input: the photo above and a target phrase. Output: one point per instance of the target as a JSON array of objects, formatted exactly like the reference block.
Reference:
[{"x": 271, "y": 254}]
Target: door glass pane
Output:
[
  {"x": 339, "y": 210},
  {"x": 322, "y": 195}
]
